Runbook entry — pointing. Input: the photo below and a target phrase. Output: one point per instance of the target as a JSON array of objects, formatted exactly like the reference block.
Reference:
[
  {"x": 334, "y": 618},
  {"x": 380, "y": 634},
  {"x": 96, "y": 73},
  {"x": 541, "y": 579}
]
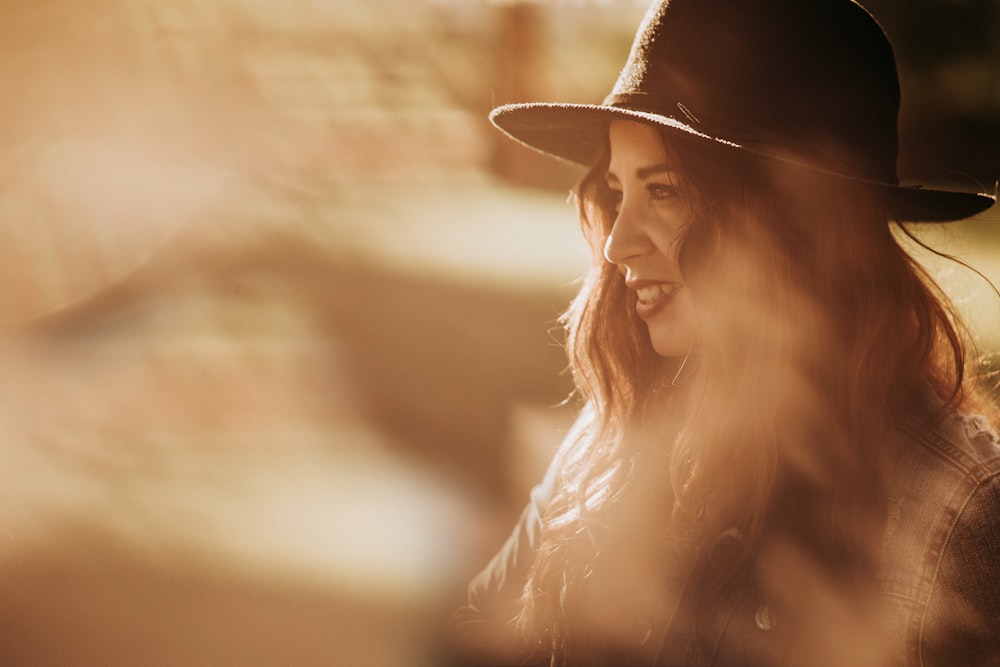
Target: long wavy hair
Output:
[{"x": 818, "y": 333}]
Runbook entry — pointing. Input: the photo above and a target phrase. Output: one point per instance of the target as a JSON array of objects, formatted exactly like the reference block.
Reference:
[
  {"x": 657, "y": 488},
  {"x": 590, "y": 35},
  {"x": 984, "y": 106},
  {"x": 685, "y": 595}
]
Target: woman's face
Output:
[{"x": 650, "y": 216}]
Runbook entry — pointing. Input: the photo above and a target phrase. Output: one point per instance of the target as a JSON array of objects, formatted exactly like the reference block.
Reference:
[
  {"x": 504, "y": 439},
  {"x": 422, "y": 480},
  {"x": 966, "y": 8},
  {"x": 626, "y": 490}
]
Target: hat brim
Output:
[{"x": 576, "y": 133}]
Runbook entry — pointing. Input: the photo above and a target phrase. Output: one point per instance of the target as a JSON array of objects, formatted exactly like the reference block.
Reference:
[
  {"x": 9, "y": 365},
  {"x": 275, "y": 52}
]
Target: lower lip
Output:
[{"x": 647, "y": 310}]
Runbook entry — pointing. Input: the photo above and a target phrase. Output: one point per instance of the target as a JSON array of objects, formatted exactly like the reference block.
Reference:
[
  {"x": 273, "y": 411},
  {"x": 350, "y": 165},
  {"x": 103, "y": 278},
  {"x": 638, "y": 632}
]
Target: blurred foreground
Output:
[{"x": 279, "y": 350}]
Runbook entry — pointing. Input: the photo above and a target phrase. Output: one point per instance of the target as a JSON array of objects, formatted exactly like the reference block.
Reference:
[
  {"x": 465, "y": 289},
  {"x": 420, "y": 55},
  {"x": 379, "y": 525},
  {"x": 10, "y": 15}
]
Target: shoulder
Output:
[
  {"x": 483, "y": 629},
  {"x": 951, "y": 459},
  {"x": 963, "y": 612},
  {"x": 965, "y": 443},
  {"x": 946, "y": 472},
  {"x": 942, "y": 473},
  {"x": 942, "y": 536},
  {"x": 978, "y": 437}
]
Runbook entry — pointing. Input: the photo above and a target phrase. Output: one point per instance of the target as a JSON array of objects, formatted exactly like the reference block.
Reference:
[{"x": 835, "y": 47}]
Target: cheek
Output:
[{"x": 667, "y": 235}]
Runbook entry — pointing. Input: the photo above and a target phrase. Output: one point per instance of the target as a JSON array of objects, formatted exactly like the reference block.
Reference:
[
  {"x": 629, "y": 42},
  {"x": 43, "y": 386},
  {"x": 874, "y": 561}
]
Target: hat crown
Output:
[{"x": 810, "y": 81}]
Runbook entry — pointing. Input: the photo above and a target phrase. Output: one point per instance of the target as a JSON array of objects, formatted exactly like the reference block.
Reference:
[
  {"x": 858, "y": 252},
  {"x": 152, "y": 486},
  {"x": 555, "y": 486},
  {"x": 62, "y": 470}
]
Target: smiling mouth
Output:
[{"x": 649, "y": 296}]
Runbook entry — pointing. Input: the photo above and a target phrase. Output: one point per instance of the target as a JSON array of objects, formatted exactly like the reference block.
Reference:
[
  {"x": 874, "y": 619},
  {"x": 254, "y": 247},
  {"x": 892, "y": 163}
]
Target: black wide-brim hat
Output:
[{"x": 809, "y": 85}]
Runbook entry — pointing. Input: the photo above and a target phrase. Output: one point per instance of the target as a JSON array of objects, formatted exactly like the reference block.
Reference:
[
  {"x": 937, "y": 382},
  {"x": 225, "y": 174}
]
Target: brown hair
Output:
[{"x": 818, "y": 334}]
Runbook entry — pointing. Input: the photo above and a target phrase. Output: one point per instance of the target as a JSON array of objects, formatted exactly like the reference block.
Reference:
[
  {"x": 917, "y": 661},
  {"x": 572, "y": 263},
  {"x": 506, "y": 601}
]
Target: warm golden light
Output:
[{"x": 278, "y": 345}]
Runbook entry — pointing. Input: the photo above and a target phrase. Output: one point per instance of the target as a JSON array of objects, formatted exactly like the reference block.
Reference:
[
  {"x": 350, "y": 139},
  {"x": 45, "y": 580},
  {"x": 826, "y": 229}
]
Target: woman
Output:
[{"x": 775, "y": 462}]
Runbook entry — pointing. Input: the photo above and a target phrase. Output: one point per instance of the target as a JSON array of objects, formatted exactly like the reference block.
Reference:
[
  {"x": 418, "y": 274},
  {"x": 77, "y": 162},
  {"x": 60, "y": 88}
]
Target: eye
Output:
[{"x": 661, "y": 191}]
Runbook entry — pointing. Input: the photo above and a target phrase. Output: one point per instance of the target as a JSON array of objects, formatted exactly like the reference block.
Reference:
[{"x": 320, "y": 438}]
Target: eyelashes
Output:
[
  {"x": 661, "y": 191},
  {"x": 657, "y": 192}
]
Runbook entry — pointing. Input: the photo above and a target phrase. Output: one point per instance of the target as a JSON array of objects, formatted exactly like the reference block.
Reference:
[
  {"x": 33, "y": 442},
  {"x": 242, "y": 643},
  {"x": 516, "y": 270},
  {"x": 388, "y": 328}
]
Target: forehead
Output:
[{"x": 633, "y": 146}]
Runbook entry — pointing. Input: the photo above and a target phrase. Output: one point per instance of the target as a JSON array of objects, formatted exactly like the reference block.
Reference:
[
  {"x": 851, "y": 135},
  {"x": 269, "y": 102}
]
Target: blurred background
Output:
[{"x": 279, "y": 358}]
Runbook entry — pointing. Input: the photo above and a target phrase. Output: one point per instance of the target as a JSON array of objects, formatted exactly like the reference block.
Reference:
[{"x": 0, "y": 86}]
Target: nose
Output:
[{"x": 628, "y": 238}]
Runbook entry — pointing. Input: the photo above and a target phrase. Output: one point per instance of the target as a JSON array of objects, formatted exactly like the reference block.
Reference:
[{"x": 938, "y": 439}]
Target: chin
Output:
[
  {"x": 673, "y": 332},
  {"x": 671, "y": 344}
]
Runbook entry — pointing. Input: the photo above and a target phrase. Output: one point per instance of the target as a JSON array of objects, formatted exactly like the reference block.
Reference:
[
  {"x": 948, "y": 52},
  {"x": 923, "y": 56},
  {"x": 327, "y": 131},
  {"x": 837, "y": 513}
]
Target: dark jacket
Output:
[{"x": 938, "y": 588}]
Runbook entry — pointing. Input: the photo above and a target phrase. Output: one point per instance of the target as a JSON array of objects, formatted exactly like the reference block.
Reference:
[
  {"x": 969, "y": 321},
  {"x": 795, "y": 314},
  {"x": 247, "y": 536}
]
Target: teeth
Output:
[
  {"x": 654, "y": 292},
  {"x": 649, "y": 293}
]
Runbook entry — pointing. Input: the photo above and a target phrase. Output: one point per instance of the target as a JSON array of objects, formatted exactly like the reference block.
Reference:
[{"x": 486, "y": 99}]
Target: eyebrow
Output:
[{"x": 644, "y": 173}]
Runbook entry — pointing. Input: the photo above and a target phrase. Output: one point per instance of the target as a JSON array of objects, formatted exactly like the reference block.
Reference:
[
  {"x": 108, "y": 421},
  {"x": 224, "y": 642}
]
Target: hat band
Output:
[
  {"x": 638, "y": 101},
  {"x": 748, "y": 137}
]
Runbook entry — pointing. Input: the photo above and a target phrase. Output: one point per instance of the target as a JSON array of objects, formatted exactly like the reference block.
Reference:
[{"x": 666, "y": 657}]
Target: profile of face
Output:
[{"x": 651, "y": 213}]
